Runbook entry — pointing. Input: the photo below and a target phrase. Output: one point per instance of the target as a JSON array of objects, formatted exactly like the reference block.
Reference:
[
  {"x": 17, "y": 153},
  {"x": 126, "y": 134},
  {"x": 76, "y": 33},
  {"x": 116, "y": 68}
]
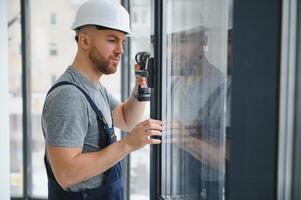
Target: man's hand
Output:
[
  {"x": 177, "y": 134},
  {"x": 205, "y": 151},
  {"x": 140, "y": 135}
]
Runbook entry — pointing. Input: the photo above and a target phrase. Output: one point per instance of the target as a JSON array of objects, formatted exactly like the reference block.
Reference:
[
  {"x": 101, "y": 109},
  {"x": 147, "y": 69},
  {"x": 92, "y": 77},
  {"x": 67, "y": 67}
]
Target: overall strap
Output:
[{"x": 91, "y": 102}]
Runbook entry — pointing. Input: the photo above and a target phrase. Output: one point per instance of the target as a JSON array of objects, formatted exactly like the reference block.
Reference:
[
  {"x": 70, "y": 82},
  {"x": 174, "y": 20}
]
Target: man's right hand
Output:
[{"x": 141, "y": 134}]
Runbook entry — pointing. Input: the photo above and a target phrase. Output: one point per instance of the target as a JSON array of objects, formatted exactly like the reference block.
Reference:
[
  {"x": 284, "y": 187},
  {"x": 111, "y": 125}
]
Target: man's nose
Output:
[{"x": 119, "y": 49}]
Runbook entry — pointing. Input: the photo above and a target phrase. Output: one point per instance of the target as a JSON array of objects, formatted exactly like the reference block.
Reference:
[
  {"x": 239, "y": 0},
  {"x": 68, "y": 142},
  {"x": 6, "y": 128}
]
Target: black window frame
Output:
[
  {"x": 155, "y": 106},
  {"x": 26, "y": 98}
]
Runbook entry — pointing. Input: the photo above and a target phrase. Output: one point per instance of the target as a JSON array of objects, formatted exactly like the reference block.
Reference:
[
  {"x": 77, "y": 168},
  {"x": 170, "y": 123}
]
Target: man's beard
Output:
[{"x": 102, "y": 64}]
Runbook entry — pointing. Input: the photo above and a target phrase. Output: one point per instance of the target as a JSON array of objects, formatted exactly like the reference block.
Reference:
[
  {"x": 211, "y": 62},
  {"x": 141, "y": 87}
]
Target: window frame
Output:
[
  {"x": 156, "y": 107},
  {"x": 26, "y": 98}
]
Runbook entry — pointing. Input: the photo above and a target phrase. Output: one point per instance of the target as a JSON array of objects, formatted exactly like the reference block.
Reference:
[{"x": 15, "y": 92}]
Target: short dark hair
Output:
[{"x": 97, "y": 27}]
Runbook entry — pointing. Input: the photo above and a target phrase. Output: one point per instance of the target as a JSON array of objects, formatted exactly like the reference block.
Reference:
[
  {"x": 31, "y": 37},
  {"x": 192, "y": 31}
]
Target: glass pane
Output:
[
  {"x": 195, "y": 98},
  {"x": 15, "y": 97},
  {"x": 140, "y": 12},
  {"x": 52, "y": 49}
]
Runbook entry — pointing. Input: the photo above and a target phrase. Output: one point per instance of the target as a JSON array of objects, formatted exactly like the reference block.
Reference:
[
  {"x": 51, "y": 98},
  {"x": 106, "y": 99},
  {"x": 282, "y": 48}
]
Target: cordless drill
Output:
[{"x": 146, "y": 70}]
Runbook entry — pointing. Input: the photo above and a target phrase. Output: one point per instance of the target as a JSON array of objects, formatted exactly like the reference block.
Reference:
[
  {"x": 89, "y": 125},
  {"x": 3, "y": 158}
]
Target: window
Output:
[
  {"x": 53, "y": 49},
  {"x": 194, "y": 99},
  {"x": 53, "y": 18},
  {"x": 41, "y": 78},
  {"x": 139, "y": 160},
  {"x": 15, "y": 99},
  {"x": 45, "y": 68},
  {"x": 134, "y": 17}
]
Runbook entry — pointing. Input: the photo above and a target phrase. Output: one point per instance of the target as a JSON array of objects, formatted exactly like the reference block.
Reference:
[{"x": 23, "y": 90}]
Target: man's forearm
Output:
[
  {"x": 133, "y": 111},
  {"x": 204, "y": 152},
  {"x": 86, "y": 165},
  {"x": 71, "y": 166}
]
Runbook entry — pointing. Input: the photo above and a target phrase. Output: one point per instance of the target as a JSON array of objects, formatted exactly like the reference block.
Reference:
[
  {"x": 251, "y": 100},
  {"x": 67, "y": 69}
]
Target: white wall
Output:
[{"x": 4, "y": 115}]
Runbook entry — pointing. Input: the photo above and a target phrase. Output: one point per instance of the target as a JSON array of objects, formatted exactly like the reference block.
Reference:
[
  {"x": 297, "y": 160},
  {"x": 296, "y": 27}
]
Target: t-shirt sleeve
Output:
[
  {"x": 65, "y": 117},
  {"x": 113, "y": 101}
]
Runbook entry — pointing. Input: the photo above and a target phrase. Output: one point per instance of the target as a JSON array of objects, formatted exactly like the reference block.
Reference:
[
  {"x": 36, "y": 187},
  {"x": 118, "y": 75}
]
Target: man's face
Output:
[
  {"x": 106, "y": 50},
  {"x": 193, "y": 45},
  {"x": 188, "y": 55}
]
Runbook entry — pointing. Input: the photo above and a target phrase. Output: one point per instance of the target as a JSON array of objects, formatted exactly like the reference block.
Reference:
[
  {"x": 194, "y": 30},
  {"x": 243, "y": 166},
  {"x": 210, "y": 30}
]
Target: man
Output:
[{"x": 82, "y": 157}]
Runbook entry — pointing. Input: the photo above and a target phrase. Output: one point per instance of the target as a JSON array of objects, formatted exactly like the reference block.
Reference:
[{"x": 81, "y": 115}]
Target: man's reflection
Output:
[
  {"x": 194, "y": 78},
  {"x": 199, "y": 92},
  {"x": 188, "y": 51}
]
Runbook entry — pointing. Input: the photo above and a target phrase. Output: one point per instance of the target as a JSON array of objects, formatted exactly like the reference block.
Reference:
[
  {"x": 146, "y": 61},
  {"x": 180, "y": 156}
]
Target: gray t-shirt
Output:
[{"x": 69, "y": 121}]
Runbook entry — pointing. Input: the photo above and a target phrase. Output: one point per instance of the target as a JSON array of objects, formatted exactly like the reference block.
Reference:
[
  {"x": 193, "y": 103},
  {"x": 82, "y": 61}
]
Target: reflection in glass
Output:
[
  {"x": 195, "y": 73},
  {"x": 15, "y": 98},
  {"x": 140, "y": 12}
]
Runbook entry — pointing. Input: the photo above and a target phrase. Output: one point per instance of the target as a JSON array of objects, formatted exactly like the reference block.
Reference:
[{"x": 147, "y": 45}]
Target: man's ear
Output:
[{"x": 84, "y": 41}]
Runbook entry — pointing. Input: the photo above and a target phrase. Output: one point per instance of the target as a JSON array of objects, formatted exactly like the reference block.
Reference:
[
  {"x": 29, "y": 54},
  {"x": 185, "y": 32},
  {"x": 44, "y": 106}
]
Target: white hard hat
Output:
[
  {"x": 185, "y": 16},
  {"x": 105, "y": 13},
  {"x": 196, "y": 15}
]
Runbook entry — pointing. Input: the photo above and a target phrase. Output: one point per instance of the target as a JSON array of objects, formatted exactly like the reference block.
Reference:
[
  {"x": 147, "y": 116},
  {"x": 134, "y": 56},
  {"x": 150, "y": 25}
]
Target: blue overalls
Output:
[{"x": 112, "y": 188}]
